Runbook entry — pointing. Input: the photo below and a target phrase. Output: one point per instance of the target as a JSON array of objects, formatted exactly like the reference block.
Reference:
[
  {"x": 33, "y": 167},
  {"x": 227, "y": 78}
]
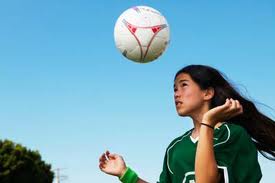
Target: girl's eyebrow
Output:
[{"x": 181, "y": 81}]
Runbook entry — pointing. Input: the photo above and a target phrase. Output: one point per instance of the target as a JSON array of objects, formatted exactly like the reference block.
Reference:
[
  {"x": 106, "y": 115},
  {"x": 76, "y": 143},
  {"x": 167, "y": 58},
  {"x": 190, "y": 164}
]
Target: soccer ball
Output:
[{"x": 141, "y": 34}]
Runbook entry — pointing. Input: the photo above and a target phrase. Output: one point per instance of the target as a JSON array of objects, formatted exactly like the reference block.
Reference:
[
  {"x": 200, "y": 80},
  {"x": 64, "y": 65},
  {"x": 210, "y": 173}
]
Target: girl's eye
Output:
[{"x": 183, "y": 84}]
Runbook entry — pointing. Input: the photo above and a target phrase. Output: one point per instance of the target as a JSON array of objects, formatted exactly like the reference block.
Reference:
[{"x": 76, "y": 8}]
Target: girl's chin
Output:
[{"x": 183, "y": 113}]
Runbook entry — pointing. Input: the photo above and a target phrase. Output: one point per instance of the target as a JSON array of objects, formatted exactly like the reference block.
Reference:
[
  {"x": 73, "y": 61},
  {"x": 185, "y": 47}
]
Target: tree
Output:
[{"x": 20, "y": 165}]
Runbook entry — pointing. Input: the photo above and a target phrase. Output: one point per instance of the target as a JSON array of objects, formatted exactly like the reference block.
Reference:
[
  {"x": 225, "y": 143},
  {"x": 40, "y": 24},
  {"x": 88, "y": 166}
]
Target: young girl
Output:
[{"x": 222, "y": 146}]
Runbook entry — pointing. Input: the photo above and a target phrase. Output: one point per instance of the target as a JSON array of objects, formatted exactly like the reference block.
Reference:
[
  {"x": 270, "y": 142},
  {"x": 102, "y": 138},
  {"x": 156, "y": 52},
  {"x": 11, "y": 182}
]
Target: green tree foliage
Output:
[{"x": 20, "y": 165}]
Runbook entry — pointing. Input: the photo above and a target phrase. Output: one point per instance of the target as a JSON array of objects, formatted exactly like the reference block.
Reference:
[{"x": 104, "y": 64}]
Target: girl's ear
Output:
[{"x": 209, "y": 93}]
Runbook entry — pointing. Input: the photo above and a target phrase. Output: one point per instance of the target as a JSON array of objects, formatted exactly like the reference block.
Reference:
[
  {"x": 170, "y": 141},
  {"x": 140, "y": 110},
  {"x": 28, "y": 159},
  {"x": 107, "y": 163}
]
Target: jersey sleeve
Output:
[
  {"x": 237, "y": 157},
  {"x": 165, "y": 174}
]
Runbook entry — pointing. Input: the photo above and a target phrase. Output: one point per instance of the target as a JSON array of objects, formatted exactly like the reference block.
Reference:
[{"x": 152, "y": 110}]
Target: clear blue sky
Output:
[{"x": 66, "y": 91}]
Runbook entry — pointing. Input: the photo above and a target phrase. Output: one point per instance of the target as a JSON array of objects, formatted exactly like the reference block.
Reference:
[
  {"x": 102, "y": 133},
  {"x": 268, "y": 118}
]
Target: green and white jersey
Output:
[{"x": 235, "y": 154}]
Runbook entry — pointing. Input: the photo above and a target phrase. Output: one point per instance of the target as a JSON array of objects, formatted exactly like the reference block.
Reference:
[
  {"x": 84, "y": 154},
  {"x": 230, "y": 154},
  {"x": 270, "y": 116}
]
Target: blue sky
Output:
[{"x": 67, "y": 91}]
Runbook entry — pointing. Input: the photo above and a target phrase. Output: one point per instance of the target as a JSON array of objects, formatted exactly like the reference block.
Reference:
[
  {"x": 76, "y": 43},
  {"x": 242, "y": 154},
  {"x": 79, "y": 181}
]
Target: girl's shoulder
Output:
[
  {"x": 229, "y": 133},
  {"x": 230, "y": 129},
  {"x": 180, "y": 138}
]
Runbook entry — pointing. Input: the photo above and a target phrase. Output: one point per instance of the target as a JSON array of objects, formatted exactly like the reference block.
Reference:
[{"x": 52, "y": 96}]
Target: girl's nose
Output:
[{"x": 176, "y": 94}]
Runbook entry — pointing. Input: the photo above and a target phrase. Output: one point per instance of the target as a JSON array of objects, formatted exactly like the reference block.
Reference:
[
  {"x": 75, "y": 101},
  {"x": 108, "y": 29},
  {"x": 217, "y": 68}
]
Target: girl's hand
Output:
[
  {"x": 112, "y": 164},
  {"x": 229, "y": 109}
]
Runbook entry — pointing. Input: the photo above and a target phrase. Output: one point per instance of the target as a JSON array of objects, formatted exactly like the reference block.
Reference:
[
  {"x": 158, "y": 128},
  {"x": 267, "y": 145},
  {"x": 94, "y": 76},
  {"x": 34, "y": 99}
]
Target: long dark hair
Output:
[{"x": 260, "y": 127}]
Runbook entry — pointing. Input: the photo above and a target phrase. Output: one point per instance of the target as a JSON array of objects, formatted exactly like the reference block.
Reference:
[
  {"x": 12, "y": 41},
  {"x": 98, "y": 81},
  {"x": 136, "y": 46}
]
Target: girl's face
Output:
[{"x": 188, "y": 95}]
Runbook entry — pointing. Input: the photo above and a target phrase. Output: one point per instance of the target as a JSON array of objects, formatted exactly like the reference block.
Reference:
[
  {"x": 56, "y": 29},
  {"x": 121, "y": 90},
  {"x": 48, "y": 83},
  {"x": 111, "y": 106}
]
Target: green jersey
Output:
[{"x": 235, "y": 154}]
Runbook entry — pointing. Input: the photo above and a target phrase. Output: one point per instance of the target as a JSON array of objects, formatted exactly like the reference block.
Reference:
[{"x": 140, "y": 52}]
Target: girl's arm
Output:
[
  {"x": 141, "y": 181},
  {"x": 206, "y": 169}
]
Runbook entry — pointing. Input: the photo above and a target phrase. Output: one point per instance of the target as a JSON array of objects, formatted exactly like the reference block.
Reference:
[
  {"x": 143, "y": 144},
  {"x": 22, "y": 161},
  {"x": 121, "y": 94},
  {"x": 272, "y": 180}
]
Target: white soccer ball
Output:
[{"x": 141, "y": 34}]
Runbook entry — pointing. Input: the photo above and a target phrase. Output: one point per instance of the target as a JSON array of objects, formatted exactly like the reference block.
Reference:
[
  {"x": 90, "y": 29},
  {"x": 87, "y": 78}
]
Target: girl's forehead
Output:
[{"x": 182, "y": 77}]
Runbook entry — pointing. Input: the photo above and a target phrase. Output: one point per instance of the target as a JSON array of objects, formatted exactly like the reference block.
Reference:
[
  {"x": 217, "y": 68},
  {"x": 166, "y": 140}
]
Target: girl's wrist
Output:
[
  {"x": 122, "y": 172},
  {"x": 206, "y": 121},
  {"x": 207, "y": 125},
  {"x": 129, "y": 176}
]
